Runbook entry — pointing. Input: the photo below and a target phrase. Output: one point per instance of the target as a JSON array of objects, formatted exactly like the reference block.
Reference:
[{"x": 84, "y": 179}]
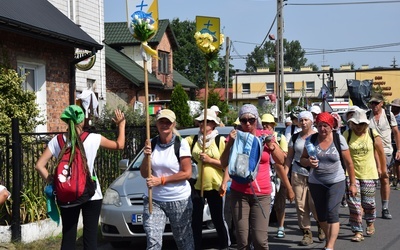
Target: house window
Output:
[
  {"x": 290, "y": 87},
  {"x": 245, "y": 88},
  {"x": 152, "y": 97},
  {"x": 35, "y": 81},
  {"x": 310, "y": 87},
  {"x": 269, "y": 86},
  {"x": 163, "y": 63}
]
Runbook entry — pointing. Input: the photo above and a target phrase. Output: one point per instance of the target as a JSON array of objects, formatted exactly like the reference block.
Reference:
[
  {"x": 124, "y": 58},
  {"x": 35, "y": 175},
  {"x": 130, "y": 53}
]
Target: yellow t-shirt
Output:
[
  {"x": 283, "y": 142},
  {"x": 362, "y": 154},
  {"x": 212, "y": 176}
]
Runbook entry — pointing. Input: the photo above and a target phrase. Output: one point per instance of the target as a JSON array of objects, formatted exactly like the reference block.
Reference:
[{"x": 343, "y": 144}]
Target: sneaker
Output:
[
  {"x": 386, "y": 214},
  {"x": 307, "y": 238},
  {"x": 321, "y": 234}
]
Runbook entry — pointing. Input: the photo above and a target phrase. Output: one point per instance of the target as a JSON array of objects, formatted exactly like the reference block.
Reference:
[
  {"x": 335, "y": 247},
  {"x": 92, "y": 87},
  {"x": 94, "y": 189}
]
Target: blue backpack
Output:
[{"x": 245, "y": 157}]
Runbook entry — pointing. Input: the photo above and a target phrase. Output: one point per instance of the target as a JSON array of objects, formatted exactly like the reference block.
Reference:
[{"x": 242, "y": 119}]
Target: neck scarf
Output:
[
  {"x": 209, "y": 138},
  {"x": 166, "y": 145}
]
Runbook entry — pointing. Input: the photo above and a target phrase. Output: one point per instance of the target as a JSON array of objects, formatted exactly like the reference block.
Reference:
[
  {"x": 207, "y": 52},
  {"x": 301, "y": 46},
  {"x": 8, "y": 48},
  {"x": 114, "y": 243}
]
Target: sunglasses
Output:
[
  {"x": 245, "y": 121},
  {"x": 374, "y": 103}
]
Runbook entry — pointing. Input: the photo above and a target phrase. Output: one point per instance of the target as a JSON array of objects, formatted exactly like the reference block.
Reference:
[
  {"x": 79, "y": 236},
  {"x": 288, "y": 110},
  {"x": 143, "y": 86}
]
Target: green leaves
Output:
[{"x": 15, "y": 102}]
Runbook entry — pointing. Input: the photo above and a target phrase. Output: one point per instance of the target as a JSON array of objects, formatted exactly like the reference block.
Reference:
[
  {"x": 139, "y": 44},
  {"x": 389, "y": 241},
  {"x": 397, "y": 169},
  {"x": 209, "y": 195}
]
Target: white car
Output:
[{"x": 122, "y": 210}]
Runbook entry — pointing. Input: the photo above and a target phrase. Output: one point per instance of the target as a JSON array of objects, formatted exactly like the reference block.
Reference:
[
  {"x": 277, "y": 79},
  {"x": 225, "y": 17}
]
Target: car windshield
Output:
[{"x": 135, "y": 165}]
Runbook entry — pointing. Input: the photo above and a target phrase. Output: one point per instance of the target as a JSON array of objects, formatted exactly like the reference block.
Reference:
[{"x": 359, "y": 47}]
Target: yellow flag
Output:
[
  {"x": 153, "y": 9},
  {"x": 210, "y": 25},
  {"x": 147, "y": 6}
]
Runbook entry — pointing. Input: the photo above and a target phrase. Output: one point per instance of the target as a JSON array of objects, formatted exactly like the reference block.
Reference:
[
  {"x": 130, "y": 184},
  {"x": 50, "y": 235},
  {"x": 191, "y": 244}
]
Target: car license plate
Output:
[{"x": 137, "y": 218}]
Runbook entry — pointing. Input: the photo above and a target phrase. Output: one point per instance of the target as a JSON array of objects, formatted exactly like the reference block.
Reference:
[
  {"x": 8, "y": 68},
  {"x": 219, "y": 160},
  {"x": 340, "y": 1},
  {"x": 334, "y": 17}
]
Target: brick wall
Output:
[
  {"x": 56, "y": 59},
  {"x": 164, "y": 45}
]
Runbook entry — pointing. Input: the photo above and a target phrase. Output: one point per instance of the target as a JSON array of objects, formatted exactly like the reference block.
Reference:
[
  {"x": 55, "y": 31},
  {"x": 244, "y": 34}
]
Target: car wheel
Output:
[{"x": 120, "y": 244}]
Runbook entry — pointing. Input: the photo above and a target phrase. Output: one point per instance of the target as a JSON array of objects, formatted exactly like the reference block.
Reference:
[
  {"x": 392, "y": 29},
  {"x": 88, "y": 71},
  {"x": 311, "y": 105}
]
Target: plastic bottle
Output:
[{"x": 311, "y": 150}]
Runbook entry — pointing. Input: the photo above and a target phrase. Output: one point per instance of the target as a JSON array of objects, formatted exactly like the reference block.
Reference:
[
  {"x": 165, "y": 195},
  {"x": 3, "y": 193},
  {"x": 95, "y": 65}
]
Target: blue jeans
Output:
[{"x": 179, "y": 214}]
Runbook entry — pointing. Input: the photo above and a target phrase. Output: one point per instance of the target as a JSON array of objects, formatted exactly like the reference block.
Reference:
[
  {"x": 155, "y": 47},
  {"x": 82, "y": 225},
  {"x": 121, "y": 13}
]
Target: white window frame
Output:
[
  {"x": 246, "y": 88},
  {"x": 289, "y": 89},
  {"x": 38, "y": 87},
  {"x": 310, "y": 87},
  {"x": 268, "y": 88}
]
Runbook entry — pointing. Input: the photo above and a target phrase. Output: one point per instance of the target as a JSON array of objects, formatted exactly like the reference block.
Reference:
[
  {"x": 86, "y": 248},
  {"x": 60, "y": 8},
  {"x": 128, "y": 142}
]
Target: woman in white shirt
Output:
[{"x": 169, "y": 183}]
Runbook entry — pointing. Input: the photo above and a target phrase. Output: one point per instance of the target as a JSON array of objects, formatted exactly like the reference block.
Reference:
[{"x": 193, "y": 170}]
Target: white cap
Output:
[
  {"x": 315, "y": 109},
  {"x": 215, "y": 108}
]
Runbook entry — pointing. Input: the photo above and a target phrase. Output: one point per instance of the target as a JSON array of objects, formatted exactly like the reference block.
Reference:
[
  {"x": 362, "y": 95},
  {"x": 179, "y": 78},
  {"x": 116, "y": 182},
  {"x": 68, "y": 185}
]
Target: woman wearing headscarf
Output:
[
  {"x": 299, "y": 179},
  {"x": 74, "y": 116},
  {"x": 250, "y": 202},
  {"x": 170, "y": 186},
  {"x": 368, "y": 156},
  {"x": 211, "y": 179},
  {"x": 327, "y": 176}
]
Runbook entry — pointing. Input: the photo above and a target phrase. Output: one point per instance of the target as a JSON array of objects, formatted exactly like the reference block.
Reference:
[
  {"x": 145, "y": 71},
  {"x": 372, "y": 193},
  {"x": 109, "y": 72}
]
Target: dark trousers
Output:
[
  {"x": 70, "y": 217},
  {"x": 327, "y": 199},
  {"x": 216, "y": 205}
]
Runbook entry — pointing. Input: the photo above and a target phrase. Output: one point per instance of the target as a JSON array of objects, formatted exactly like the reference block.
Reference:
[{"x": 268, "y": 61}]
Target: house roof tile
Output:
[
  {"x": 41, "y": 20},
  {"x": 128, "y": 68}
]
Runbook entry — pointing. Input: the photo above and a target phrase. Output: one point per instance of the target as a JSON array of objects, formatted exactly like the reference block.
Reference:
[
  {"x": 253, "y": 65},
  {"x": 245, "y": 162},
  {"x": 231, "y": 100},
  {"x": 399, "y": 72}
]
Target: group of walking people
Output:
[
  {"x": 340, "y": 165},
  {"x": 345, "y": 165}
]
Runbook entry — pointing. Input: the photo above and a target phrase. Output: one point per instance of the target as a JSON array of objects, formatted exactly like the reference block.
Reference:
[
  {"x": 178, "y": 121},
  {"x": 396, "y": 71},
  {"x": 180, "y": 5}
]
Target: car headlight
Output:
[{"x": 111, "y": 197}]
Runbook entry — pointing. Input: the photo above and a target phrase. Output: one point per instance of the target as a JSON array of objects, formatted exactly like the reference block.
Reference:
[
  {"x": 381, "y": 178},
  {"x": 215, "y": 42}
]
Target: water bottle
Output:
[{"x": 311, "y": 150}]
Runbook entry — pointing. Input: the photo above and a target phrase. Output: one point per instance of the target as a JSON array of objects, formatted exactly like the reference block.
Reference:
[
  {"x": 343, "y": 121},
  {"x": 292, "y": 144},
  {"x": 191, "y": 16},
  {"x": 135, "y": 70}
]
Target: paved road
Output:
[{"x": 387, "y": 236}]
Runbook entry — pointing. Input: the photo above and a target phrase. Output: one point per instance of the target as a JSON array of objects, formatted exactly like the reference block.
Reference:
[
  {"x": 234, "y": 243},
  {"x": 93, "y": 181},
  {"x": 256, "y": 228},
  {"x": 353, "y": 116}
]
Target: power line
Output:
[
  {"x": 345, "y": 3},
  {"x": 354, "y": 49}
]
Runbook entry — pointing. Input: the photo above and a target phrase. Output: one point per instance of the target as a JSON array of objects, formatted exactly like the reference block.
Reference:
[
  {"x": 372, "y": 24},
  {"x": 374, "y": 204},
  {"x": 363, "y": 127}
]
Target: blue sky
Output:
[{"x": 316, "y": 27}]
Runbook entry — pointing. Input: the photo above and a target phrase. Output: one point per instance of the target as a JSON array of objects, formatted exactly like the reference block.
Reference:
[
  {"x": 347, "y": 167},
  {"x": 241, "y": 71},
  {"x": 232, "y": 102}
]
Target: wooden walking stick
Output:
[
  {"x": 204, "y": 130},
  {"x": 143, "y": 27},
  {"x": 208, "y": 40}
]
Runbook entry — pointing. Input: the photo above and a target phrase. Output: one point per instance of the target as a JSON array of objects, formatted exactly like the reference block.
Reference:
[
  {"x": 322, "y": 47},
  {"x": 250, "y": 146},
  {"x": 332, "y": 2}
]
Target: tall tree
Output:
[
  {"x": 265, "y": 56},
  {"x": 180, "y": 106},
  {"x": 188, "y": 59}
]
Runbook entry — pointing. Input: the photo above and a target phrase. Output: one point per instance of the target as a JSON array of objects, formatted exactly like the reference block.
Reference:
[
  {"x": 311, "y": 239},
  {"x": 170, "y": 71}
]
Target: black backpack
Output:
[
  {"x": 177, "y": 145},
  {"x": 336, "y": 140}
]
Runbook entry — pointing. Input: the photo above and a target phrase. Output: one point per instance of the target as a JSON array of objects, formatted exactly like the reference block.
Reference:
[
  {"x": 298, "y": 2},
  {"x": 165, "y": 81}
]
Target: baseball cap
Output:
[
  {"x": 376, "y": 97},
  {"x": 215, "y": 108},
  {"x": 166, "y": 113}
]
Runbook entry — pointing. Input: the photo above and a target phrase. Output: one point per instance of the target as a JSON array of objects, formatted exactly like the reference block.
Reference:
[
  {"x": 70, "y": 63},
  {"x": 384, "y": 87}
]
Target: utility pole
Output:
[
  {"x": 227, "y": 55},
  {"x": 280, "y": 56}
]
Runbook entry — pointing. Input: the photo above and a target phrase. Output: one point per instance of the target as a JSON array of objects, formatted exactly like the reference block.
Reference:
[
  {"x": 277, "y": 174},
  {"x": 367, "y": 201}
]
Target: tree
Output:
[
  {"x": 180, "y": 106},
  {"x": 188, "y": 59},
  {"x": 15, "y": 102},
  {"x": 266, "y": 56}
]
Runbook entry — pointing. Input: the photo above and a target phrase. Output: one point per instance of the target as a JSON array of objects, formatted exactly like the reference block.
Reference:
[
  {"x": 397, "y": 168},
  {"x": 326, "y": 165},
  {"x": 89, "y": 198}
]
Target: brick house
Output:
[
  {"x": 38, "y": 39},
  {"x": 125, "y": 70}
]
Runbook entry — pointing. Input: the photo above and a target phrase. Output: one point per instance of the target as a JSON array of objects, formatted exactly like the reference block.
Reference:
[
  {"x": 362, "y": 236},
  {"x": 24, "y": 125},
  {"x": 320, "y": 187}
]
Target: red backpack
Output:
[{"x": 73, "y": 184}]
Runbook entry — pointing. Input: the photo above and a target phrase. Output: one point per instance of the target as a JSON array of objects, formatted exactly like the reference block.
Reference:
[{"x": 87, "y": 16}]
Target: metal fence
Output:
[{"x": 33, "y": 145}]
